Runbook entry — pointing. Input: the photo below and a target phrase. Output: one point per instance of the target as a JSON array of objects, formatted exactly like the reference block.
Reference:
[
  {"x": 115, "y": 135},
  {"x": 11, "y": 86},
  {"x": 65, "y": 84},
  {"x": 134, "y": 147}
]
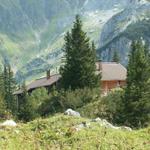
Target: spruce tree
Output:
[
  {"x": 2, "y": 91},
  {"x": 2, "y": 101},
  {"x": 9, "y": 87},
  {"x": 115, "y": 57},
  {"x": 80, "y": 57},
  {"x": 5, "y": 79},
  {"x": 137, "y": 84}
]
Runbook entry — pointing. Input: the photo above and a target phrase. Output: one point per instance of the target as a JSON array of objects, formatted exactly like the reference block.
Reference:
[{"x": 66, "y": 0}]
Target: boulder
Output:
[
  {"x": 96, "y": 120},
  {"x": 9, "y": 123},
  {"x": 126, "y": 128},
  {"x": 106, "y": 124},
  {"x": 71, "y": 112},
  {"x": 82, "y": 125}
]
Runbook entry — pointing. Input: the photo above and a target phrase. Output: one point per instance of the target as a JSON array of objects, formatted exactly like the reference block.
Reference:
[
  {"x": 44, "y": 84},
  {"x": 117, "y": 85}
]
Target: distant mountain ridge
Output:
[
  {"x": 32, "y": 31},
  {"x": 130, "y": 24}
]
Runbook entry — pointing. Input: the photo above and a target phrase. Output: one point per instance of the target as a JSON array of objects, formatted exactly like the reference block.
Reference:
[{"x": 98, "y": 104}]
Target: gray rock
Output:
[
  {"x": 126, "y": 128},
  {"x": 82, "y": 125},
  {"x": 106, "y": 124},
  {"x": 9, "y": 123},
  {"x": 96, "y": 120},
  {"x": 71, "y": 112}
]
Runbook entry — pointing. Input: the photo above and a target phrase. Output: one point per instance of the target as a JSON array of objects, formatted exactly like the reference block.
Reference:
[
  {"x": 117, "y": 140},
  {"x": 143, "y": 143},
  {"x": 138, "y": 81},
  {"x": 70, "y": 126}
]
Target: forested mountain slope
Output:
[{"x": 32, "y": 31}]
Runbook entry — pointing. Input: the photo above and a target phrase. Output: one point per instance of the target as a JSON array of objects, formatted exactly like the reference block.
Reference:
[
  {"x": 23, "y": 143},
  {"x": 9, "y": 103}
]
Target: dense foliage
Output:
[
  {"x": 2, "y": 107},
  {"x": 136, "y": 99},
  {"x": 40, "y": 103},
  {"x": 59, "y": 101},
  {"x": 109, "y": 107}
]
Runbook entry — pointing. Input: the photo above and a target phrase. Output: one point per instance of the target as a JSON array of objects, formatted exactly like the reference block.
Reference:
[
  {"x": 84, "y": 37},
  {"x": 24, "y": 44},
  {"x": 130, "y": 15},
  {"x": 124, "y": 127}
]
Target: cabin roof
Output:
[
  {"x": 42, "y": 82},
  {"x": 111, "y": 71}
]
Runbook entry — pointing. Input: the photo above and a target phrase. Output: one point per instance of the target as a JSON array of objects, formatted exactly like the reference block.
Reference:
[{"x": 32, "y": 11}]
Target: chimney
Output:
[
  {"x": 48, "y": 74},
  {"x": 99, "y": 67}
]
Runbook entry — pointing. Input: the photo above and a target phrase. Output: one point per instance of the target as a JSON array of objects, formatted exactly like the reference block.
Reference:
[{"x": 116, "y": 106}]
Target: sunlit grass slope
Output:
[{"x": 57, "y": 133}]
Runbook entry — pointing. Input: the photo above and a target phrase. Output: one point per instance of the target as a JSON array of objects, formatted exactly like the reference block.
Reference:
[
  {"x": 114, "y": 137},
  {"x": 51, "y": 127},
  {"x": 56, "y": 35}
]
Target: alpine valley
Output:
[{"x": 32, "y": 31}]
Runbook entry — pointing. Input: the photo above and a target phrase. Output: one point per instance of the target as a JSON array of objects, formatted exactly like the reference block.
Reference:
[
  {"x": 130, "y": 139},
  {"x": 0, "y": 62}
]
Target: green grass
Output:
[
  {"x": 56, "y": 133},
  {"x": 8, "y": 45}
]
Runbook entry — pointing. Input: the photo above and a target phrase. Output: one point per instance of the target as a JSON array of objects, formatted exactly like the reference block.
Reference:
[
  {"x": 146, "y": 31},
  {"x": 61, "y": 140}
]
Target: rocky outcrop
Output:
[
  {"x": 8, "y": 123},
  {"x": 118, "y": 33},
  {"x": 102, "y": 122},
  {"x": 117, "y": 24},
  {"x": 88, "y": 124},
  {"x": 106, "y": 124},
  {"x": 71, "y": 112}
]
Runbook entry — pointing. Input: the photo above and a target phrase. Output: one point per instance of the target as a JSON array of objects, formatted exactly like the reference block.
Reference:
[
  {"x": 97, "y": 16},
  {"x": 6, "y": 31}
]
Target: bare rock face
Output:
[
  {"x": 71, "y": 112},
  {"x": 126, "y": 128},
  {"x": 9, "y": 123},
  {"x": 119, "y": 31},
  {"x": 106, "y": 124},
  {"x": 82, "y": 126}
]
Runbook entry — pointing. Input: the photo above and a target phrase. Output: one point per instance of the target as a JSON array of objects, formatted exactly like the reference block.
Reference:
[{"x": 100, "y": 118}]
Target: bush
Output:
[
  {"x": 112, "y": 109},
  {"x": 28, "y": 110},
  {"x": 59, "y": 101},
  {"x": 50, "y": 105},
  {"x": 91, "y": 110},
  {"x": 2, "y": 107},
  {"x": 38, "y": 97},
  {"x": 109, "y": 107},
  {"x": 4, "y": 113}
]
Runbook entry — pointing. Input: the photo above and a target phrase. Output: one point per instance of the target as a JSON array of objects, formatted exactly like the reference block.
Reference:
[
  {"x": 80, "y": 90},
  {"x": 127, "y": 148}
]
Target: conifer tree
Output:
[
  {"x": 116, "y": 57},
  {"x": 5, "y": 80},
  {"x": 137, "y": 84},
  {"x": 9, "y": 87},
  {"x": 80, "y": 57},
  {"x": 2, "y": 101},
  {"x": 1, "y": 82}
]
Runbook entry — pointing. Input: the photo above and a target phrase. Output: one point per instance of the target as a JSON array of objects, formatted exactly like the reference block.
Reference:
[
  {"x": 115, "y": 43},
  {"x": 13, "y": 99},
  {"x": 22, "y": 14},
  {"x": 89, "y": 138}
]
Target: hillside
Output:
[
  {"x": 31, "y": 32},
  {"x": 131, "y": 24},
  {"x": 55, "y": 133}
]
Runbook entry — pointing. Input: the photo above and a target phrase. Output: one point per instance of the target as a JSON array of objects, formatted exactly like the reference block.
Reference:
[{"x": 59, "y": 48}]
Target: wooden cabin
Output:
[
  {"x": 113, "y": 75},
  {"x": 47, "y": 82}
]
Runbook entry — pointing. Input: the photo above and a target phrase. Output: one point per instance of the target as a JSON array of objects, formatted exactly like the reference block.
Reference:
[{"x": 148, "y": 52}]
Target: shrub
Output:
[
  {"x": 112, "y": 106},
  {"x": 50, "y": 105},
  {"x": 90, "y": 110},
  {"x": 59, "y": 101},
  {"x": 4, "y": 113},
  {"x": 28, "y": 110},
  {"x": 38, "y": 97},
  {"x": 109, "y": 107},
  {"x": 2, "y": 107}
]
